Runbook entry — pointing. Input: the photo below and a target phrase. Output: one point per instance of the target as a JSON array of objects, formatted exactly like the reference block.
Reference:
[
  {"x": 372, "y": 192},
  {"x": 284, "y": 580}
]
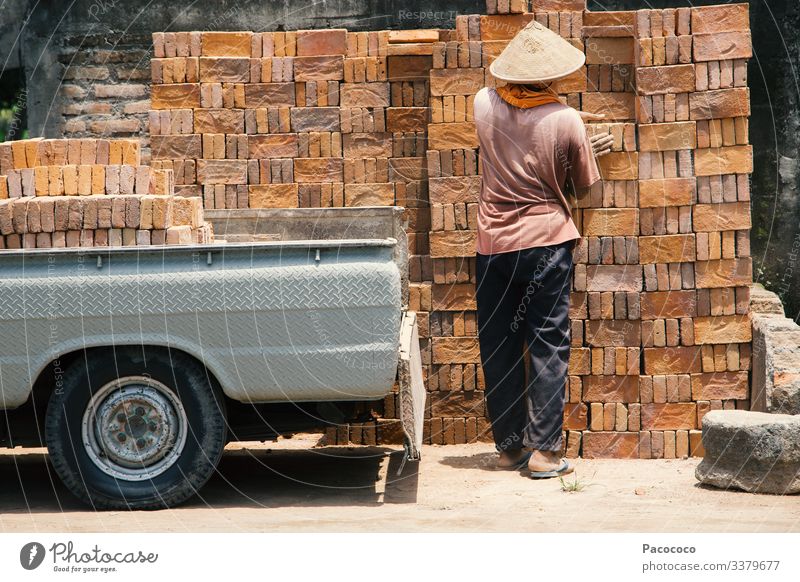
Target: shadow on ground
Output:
[{"x": 321, "y": 477}]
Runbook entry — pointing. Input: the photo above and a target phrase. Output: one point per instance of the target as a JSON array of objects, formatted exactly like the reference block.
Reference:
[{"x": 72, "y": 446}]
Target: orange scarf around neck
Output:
[{"x": 524, "y": 98}]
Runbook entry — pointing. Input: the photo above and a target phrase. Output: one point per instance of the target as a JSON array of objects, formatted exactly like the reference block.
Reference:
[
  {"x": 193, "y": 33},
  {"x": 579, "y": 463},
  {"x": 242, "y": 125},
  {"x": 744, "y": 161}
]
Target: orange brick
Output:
[
  {"x": 667, "y": 79},
  {"x": 456, "y": 350},
  {"x": 720, "y": 386},
  {"x": 618, "y": 165},
  {"x": 681, "y": 135},
  {"x": 225, "y": 44},
  {"x": 175, "y": 96},
  {"x": 722, "y": 329},
  {"x": 720, "y": 18},
  {"x": 720, "y": 103},
  {"x": 669, "y": 416},
  {"x": 717, "y": 46},
  {"x": 672, "y": 360},
  {"x": 321, "y": 42},
  {"x": 610, "y": 445},
  {"x": 663, "y": 304},
  {"x": 723, "y": 216},
  {"x": 610, "y": 222},
  {"x": 725, "y": 160},
  {"x": 667, "y": 192},
  {"x": 273, "y": 196},
  {"x": 724, "y": 273},
  {"x": 609, "y": 51},
  {"x": 675, "y": 248},
  {"x": 446, "y": 136},
  {"x": 459, "y": 243}
]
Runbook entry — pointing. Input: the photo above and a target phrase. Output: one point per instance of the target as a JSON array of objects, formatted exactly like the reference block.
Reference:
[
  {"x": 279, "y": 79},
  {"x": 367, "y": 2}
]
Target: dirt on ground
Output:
[{"x": 293, "y": 485}]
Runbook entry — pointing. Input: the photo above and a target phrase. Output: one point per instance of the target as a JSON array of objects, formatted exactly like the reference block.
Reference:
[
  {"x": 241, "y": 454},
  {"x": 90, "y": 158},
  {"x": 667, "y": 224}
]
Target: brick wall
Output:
[{"x": 660, "y": 327}]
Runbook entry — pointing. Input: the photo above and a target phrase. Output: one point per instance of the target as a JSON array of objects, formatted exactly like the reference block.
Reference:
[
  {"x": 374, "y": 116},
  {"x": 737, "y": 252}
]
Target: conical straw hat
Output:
[{"x": 536, "y": 54}]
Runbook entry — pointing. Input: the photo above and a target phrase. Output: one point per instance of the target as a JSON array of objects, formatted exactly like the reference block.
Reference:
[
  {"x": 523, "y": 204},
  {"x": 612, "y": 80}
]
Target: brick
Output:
[
  {"x": 369, "y": 194},
  {"x": 367, "y": 145},
  {"x": 720, "y": 386},
  {"x": 222, "y": 171},
  {"x": 614, "y": 278},
  {"x": 672, "y": 360},
  {"x": 723, "y": 216},
  {"x": 669, "y": 416},
  {"x": 446, "y": 136},
  {"x": 457, "y": 297},
  {"x": 609, "y": 51},
  {"x": 724, "y": 273},
  {"x": 722, "y": 329},
  {"x": 455, "y": 350},
  {"x": 456, "y": 81},
  {"x": 172, "y": 147},
  {"x": 612, "y": 332},
  {"x": 273, "y": 196},
  {"x": 324, "y": 68},
  {"x": 408, "y": 67},
  {"x": 225, "y": 44},
  {"x": 280, "y": 145},
  {"x": 721, "y": 18},
  {"x": 175, "y": 96},
  {"x": 725, "y": 160},
  {"x": 719, "y": 104},
  {"x": 667, "y": 79},
  {"x": 321, "y": 42},
  {"x": 315, "y": 119},
  {"x": 269, "y": 95},
  {"x": 667, "y": 192},
  {"x": 664, "y": 304},
  {"x": 364, "y": 95},
  {"x": 219, "y": 121},
  {"x": 675, "y": 248},
  {"x": 718, "y": 46},
  {"x": 615, "y": 106},
  {"x": 617, "y": 165},
  {"x": 610, "y": 221},
  {"x": 505, "y": 27},
  {"x": 610, "y": 445},
  {"x": 460, "y": 243},
  {"x": 318, "y": 170},
  {"x": 406, "y": 119},
  {"x": 680, "y": 135},
  {"x": 575, "y": 416},
  {"x": 224, "y": 70},
  {"x": 454, "y": 189}
]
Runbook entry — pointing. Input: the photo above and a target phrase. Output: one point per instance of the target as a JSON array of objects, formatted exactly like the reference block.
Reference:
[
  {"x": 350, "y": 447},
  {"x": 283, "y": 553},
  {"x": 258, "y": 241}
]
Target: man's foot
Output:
[
  {"x": 548, "y": 464},
  {"x": 512, "y": 459}
]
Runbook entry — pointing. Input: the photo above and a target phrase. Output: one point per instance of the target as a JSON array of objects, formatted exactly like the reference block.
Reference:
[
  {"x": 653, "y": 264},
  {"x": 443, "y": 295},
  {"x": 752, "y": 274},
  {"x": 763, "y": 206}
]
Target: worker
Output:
[{"x": 532, "y": 149}]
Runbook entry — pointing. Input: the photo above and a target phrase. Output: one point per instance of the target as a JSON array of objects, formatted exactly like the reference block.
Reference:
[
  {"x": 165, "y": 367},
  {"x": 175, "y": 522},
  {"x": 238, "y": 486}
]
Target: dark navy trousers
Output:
[{"x": 523, "y": 296}]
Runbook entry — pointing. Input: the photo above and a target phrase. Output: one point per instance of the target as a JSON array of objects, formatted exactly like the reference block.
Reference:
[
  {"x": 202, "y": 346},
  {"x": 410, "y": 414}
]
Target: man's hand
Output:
[{"x": 602, "y": 142}]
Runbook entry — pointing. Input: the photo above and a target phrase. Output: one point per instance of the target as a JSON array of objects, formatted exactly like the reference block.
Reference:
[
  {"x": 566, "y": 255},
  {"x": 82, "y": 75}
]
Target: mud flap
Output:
[{"x": 412, "y": 388}]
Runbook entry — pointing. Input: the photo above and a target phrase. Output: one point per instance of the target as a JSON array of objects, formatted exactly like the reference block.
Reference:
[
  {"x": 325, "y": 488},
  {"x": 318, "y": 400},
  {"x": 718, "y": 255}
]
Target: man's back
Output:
[{"x": 527, "y": 155}]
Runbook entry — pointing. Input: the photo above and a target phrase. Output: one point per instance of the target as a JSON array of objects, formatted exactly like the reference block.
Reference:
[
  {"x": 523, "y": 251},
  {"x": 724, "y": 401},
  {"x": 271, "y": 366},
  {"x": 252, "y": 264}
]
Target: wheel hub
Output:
[{"x": 134, "y": 428}]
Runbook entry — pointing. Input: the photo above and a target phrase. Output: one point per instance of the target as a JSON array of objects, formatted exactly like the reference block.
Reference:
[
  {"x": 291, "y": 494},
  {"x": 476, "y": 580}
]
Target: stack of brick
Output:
[
  {"x": 660, "y": 327},
  {"x": 659, "y": 304},
  {"x": 86, "y": 192}
]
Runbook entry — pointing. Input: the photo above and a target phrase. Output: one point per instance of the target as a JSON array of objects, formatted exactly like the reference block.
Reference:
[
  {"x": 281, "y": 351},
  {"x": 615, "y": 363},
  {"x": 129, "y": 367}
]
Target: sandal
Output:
[{"x": 564, "y": 469}]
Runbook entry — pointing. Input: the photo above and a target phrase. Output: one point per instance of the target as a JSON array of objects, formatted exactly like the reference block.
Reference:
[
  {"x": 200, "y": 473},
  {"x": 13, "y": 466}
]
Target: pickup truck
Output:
[{"x": 135, "y": 366}]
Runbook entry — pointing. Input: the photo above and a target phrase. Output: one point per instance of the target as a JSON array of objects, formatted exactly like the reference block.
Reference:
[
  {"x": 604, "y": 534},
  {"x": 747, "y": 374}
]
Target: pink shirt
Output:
[{"x": 527, "y": 156}]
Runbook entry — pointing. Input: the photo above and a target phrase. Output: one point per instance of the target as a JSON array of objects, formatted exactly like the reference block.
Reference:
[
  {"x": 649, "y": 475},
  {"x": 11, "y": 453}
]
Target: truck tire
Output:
[{"x": 136, "y": 428}]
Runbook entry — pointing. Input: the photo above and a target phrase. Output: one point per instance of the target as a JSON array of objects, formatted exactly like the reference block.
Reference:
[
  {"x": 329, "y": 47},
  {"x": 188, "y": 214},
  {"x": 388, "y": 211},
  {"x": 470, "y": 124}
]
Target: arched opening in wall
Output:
[{"x": 13, "y": 105}]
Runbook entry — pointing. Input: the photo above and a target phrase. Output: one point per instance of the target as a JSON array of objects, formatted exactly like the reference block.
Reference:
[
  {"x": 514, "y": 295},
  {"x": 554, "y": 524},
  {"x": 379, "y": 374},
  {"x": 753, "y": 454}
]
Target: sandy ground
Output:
[{"x": 294, "y": 486}]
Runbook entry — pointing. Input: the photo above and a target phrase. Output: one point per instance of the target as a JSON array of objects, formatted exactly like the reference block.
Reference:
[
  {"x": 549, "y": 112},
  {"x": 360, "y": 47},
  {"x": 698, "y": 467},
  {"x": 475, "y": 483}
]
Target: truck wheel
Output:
[{"x": 144, "y": 430}]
